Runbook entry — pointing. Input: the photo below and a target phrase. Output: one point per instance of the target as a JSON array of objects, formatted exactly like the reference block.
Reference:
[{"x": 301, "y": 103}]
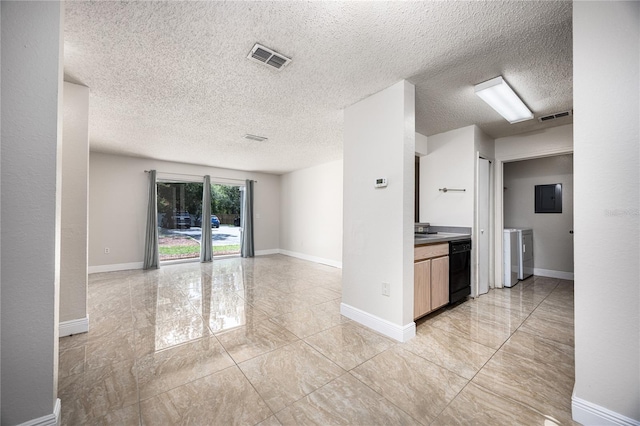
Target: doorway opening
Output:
[{"x": 552, "y": 231}]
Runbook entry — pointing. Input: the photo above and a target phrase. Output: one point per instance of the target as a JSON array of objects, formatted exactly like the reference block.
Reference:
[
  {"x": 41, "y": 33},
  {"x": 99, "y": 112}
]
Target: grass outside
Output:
[
  {"x": 179, "y": 250},
  {"x": 230, "y": 249},
  {"x": 175, "y": 247}
]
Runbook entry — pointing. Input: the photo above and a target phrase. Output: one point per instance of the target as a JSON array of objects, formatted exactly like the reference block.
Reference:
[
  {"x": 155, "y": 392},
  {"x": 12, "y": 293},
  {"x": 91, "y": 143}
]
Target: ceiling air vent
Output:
[
  {"x": 269, "y": 57},
  {"x": 255, "y": 138},
  {"x": 555, "y": 116}
]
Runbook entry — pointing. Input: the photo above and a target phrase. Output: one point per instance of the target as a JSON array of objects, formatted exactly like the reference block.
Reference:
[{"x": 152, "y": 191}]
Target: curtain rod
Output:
[{"x": 200, "y": 176}]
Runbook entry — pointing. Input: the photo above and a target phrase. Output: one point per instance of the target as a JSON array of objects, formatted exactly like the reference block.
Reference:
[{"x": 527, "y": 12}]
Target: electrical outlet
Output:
[
  {"x": 385, "y": 289},
  {"x": 107, "y": 250}
]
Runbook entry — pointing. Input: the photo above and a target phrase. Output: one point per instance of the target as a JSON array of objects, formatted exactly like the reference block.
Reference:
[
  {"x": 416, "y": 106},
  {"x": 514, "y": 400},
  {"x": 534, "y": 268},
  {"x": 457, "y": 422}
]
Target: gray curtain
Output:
[
  {"x": 151, "y": 260},
  {"x": 247, "y": 220},
  {"x": 205, "y": 241}
]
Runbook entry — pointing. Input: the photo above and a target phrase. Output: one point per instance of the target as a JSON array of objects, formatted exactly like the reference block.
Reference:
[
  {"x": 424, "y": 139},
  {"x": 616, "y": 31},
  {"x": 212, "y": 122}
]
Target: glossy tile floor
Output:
[{"x": 262, "y": 341}]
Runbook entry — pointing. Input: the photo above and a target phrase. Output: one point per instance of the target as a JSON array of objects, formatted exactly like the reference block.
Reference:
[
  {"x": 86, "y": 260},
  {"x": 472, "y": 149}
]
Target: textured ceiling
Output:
[{"x": 170, "y": 80}]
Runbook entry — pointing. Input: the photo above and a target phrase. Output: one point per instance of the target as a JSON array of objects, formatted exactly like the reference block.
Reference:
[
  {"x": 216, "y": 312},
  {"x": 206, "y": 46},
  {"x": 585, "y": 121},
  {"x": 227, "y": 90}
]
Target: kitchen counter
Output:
[{"x": 440, "y": 237}]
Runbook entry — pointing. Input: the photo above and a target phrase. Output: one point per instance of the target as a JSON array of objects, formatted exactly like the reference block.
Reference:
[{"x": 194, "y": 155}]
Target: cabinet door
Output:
[
  {"x": 421, "y": 288},
  {"x": 439, "y": 282}
]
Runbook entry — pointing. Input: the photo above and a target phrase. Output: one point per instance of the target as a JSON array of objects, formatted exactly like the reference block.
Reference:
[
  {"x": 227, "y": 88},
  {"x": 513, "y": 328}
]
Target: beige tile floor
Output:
[{"x": 262, "y": 341}]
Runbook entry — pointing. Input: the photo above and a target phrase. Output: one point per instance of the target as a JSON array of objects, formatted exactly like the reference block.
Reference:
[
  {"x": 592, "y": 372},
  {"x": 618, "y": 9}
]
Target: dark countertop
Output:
[{"x": 440, "y": 237}]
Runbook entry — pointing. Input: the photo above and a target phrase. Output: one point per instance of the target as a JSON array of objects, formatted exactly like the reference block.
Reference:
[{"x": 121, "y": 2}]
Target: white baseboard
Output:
[
  {"x": 588, "y": 413},
  {"x": 266, "y": 252},
  {"x": 115, "y": 267},
  {"x": 382, "y": 326},
  {"x": 553, "y": 274},
  {"x": 52, "y": 419},
  {"x": 329, "y": 262},
  {"x": 76, "y": 326}
]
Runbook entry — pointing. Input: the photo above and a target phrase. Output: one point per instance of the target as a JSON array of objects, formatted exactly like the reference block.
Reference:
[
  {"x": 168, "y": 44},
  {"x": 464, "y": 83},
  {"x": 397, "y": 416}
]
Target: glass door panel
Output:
[
  {"x": 179, "y": 217},
  {"x": 225, "y": 219}
]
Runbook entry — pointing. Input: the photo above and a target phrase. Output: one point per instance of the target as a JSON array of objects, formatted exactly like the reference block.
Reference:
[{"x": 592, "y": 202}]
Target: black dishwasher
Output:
[{"x": 459, "y": 270}]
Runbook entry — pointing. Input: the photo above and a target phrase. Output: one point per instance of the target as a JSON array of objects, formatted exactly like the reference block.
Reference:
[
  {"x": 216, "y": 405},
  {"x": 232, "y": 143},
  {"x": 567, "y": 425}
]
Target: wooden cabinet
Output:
[
  {"x": 422, "y": 288},
  {"x": 439, "y": 282},
  {"x": 431, "y": 278}
]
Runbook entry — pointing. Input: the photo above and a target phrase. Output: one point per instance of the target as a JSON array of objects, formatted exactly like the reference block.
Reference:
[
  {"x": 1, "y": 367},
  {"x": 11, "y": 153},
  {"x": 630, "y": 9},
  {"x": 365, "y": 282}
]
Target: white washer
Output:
[
  {"x": 510, "y": 257},
  {"x": 525, "y": 253}
]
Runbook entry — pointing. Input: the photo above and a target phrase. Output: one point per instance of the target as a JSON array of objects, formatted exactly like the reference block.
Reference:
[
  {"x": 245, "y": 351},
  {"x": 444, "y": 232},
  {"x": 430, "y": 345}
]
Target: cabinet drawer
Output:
[{"x": 434, "y": 250}]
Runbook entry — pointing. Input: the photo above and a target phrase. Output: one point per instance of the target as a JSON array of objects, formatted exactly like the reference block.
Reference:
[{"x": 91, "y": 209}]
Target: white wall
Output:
[
  {"x": 541, "y": 143},
  {"x": 311, "y": 213},
  {"x": 31, "y": 131},
  {"x": 553, "y": 244},
  {"x": 606, "y": 49},
  {"x": 422, "y": 147},
  {"x": 485, "y": 146},
  {"x": 118, "y": 192},
  {"x": 448, "y": 164},
  {"x": 451, "y": 162},
  {"x": 379, "y": 142},
  {"x": 75, "y": 187}
]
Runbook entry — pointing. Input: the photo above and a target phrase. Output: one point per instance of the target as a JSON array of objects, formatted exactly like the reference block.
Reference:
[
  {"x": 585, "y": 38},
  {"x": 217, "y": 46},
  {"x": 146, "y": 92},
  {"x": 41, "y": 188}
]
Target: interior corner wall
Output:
[
  {"x": 553, "y": 244},
  {"x": 311, "y": 213},
  {"x": 421, "y": 145},
  {"x": 31, "y": 58},
  {"x": 379, "y": 142},
  {"x": 485, "y": 145},
  {"x": 74, "y": 217},
  {"x": 450, "y": 163},
  {"x": 606, "y": 63},
  {"x": 118, "y": 192}
]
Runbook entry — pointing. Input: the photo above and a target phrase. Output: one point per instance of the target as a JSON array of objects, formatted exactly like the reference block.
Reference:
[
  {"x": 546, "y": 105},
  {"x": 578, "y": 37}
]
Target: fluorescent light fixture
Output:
[{"x": 497, "y": 93}]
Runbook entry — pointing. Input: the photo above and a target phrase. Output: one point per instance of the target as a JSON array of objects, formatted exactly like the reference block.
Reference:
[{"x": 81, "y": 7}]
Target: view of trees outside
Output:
[
  {"x": 187, "y": 197},
  {"x": 225, "y": 200},
  {"x": 180, "y": 209}
]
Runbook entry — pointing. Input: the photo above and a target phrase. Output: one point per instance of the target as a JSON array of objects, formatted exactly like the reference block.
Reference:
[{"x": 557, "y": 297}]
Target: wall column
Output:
[
  {"x": 379, "y": 142},
  {"x": 606, "y": 62},
  {"x": 32, "y": 41},
  {"x": 74, "y": 219}
]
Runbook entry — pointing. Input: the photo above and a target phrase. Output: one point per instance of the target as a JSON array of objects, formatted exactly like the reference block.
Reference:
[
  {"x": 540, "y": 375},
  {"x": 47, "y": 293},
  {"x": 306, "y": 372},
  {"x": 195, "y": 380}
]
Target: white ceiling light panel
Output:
[{"x": 497, "y": 93}]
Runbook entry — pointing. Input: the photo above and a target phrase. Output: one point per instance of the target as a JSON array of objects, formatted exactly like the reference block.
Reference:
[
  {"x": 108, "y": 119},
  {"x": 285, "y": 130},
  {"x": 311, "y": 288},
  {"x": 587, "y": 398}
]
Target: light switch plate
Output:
[{"x": 385, "y": 289}]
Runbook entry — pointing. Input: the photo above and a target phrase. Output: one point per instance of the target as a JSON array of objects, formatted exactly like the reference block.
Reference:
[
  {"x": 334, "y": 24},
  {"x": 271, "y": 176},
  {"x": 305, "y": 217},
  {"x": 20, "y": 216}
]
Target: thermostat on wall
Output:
[{"x": 381, "y": 182}]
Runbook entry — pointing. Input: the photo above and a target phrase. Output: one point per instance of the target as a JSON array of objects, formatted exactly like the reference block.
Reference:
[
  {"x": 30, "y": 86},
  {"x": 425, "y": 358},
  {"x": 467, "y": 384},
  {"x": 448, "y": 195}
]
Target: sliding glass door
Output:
[
  {"x": 180, "y": 220},
  {"x": 179, "y": 217}
]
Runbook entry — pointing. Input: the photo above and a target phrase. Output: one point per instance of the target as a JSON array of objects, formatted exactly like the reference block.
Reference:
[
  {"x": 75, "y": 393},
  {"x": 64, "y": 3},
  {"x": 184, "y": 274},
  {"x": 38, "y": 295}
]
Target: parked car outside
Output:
[
  {"x": 177, "y": 220},
  {"x": 215, "y": 222}
]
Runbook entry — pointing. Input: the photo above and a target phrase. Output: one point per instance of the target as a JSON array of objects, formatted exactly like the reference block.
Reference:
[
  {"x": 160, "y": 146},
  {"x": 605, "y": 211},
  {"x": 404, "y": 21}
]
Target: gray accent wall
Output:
[{"x": 552, "y": 242}]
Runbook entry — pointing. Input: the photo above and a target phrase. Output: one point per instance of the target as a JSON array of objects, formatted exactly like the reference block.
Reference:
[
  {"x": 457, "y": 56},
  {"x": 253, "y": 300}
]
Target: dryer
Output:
[{"x": 525, "y": 253}]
